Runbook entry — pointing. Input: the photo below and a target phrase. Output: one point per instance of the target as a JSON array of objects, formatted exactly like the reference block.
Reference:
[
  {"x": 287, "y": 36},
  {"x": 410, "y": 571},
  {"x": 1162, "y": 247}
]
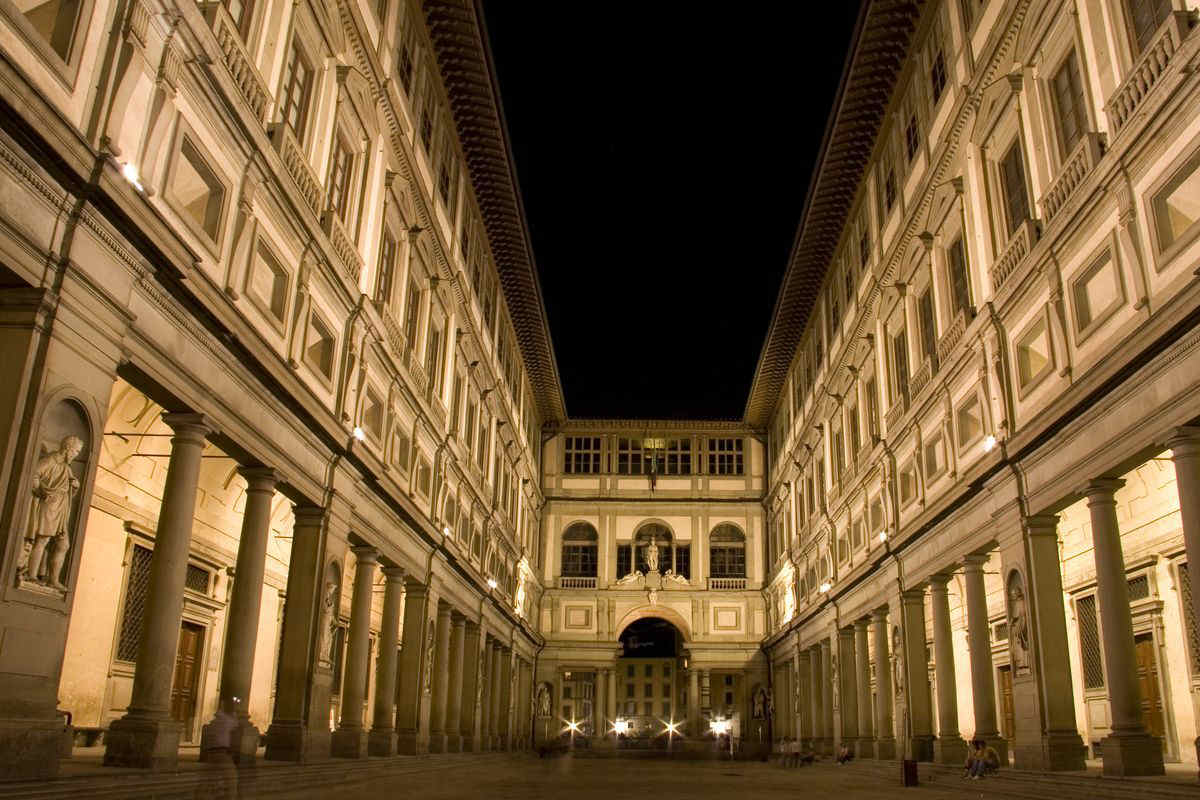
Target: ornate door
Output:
[
  {"x": 1007, "y": 720},
  {"x": 187, "y": 672},
  {"x": 1147, "y": 671}
]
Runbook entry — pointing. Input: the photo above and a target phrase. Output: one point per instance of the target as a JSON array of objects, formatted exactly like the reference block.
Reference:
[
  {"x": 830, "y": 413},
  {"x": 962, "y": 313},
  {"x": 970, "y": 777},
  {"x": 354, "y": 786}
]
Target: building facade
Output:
[{"x": 980, "y": 386}]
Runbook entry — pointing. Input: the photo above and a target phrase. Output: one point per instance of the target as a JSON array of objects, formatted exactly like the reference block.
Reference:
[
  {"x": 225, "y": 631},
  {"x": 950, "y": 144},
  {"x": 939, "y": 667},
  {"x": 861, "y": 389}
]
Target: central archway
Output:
[
  {"x": 656, "y": 612},
  {"x": 649, "y": 683}
]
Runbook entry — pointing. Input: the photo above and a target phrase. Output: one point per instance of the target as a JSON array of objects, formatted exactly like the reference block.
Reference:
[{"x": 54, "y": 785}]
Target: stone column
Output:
[
  {"x": 1048, "y": 740},
  {"x": 705, "y": 695},
  {"x": 949, "y": 747},
  {"x": 472, "y": 684},
  {"x": 1129, "y": 749},
  {"x": 1185, "y": 453},
  {"x": 295, "y": 735},
  {"x": 862, "y": 662},
  {"x": 350, "y": 739},
  {"x": 829, "y": 733},
  {"x": 415, "y": 676},
  {"x": 241, "y": 635},
  {"x": 485, "y": 696},
  {"x": 147, "y": 736},
  {"x": 382, "y": 739},
  {"x": 804, "y": 733},
  {"x": 816, "y": 694},
  {"x": 916, "y": 675},
  {"x": 494, "y": 730},
  {"x": 454, "y": 690},
  {"x": 885, "y": 736},
  {"x": 441, "y": 674},
  {"x": 525, "y": 704},
  {"x": 503, "y": 715},
  {"x": 694, "y": 702},
  {"x": 600, "y": 698},
  {"x": 979, "y": 643},
  {"x": 848, "y": 687}
]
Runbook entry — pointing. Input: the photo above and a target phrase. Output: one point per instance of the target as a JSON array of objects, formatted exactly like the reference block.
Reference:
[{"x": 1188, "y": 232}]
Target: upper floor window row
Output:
[{"x": 590, "y": 455}]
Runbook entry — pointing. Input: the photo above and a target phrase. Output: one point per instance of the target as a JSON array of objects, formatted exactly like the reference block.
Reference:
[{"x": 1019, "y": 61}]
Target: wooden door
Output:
[
  {"x": 1147, "y": 672},
  {"x": 187, "y": 673},
  {"x": 1007, "y": 718}
]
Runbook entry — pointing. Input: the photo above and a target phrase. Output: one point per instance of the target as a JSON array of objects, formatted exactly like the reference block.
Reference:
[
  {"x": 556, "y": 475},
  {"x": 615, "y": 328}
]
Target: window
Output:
[
  {"x": 412, "y": 314},
  {"x": 424, "y": 476},
  {"x": 629, "y": 456},
  {"x": 889, "y": 188},
  {"x": 969, "y": 422},
  {"x": 835, "y": 311},
  {"x": 425, "y": 125},
  {"x": 624, "y": 560},
  {"x": 579, "y": 551},
  {"x": 679, "y": 457},
  {"x": 446, "y": 182},
  {"x": 137, "y": 595},
  {"x": 581, "y": 455},
  {"x": 872, "y": 395},
  {"x": 864, "y": 246},
  {"x": 1069, "y": 105},
  {"x": 296, "y": 92},
  {"x": 928, "y": 328},
  {"x": 267, "y": 283},
  {"x": 725, "y": 457},
  {"x": 319, "y": 346},
  {"x": 853, "y": 430},
  {"x": 469, "y": 426},
  {"x": 899, "y": 369},
  {"x": 839, "y": 452},
  {"x": 857, "y": 535},
  {"x": 1096, "y": 293},
  {"x": 197, "y": 191},
  {"x": 340, "y": 161},
  {"x": 387, "y": 269},
  {"x": 456, "y": 391},
  {"x": 55, "y": 21},
  {"x": 406, "y": 62},
  {"x": 1089, "y": 642},
  {"x": 1034, "y": 358},
  {"x": 433, "y": 358},
  {"x": 401, "y": 454},
  {"x": 934, "y": 457},
  {"x": 960, "y": 281},
  {"x": 876, "y": 514},
  {"x": 481, "y": 450},
  {"x": 727, "y": 552},
  {"x": 649, "y": 668},
  {"x": 1145, "y": 17},
  {"x": 937, "y": 64},
  {"x": 1176, "y": 207},
  {"x": 908, "y": 483},
  {"x": 683, "y": 561},
  {"x": 1012, "y": 186},
  {"x": 912, "y": 134},
  {"x": 372, "y": 418},
  {"x": 1190, "y": 627}
]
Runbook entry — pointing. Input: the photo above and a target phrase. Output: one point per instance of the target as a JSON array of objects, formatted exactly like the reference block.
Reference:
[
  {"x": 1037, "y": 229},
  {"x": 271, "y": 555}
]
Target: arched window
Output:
[
  {"x": 579, "y": 551},
  {"x": 727, "y": 552},
  {"x": 670, "y": 557}
]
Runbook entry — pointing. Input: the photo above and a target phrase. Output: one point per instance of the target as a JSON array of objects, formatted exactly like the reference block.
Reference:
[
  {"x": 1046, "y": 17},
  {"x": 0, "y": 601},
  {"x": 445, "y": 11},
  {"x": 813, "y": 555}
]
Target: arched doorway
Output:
[{"x": 651, "y": 690}]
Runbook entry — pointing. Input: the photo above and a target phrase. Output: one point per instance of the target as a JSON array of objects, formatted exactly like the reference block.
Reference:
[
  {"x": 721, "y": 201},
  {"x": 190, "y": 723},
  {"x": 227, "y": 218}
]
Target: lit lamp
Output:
[
  {"x": 572, "y": 728},
  {"x": 360, "y": 434},
  {"x": 722, "y": 727},
  {"x": 491, "y": 582},
  {"x": 883, "y": 536},
  {"x": 672, "y": 729},
  {"x": 989, "y": 443},
  {"x": 621, "y": 727},
  {"x": 825, "y": 587}
]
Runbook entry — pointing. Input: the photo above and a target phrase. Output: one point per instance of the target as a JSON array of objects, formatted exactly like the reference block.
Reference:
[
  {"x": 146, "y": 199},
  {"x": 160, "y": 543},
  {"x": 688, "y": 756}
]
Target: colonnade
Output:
[
  {"x": 447, "y": 684},
  {"x": 1045, "y": 731}
]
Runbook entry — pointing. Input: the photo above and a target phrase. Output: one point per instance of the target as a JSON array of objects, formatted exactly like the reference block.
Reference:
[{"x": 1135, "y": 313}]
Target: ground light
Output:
[
  {"x": 723, "y": 727},
  {"x": 572, "y": 728},
  {"x": 620, "y": 726},
  {"x": 671, "y": 731}
]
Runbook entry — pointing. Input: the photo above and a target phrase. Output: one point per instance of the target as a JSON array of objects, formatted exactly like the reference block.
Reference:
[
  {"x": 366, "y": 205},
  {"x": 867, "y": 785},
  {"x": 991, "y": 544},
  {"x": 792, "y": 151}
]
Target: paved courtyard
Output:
[{"x": 604, "y": 779}]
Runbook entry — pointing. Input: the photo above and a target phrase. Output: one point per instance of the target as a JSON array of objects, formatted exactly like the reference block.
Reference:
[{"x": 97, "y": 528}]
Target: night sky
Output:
[{"x": 664, "y": 151}]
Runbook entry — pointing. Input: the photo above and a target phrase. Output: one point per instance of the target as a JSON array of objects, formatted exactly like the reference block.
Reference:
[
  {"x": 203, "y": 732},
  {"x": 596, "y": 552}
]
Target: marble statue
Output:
[
  {"x": 1018, "y": 625},
  {"x": 49, "y": 536},
  {"x": 328, "y": 622},
  {"x": 632, "y": 577},
  {"x": 543, "y": 700},
  {"x": 675, "y": 580},
  {"x": 428, "y": 683},
  {"x": 650, "y": 553}
]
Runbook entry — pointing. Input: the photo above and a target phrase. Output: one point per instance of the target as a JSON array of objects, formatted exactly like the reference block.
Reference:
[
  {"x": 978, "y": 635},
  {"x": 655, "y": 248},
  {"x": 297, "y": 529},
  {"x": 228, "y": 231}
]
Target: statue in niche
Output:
[
  {"x": 55, "y": 486},
  {"x": 760, "y": 704},
  {"x": 428, "y": 682},
  {"x": 650, "y": 554},
  {"x": 328, "y": 620},
  {"x": 1018, "y": 625},
  {"x": 543, "y": 700}
]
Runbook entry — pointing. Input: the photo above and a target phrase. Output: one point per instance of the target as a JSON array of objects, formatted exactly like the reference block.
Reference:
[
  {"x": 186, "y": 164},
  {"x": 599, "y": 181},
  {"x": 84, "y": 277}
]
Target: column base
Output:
[
  {"x": 453, "y": 743},
  {"x": 411, "y": 743},
  {"x": 294, "y": 741},
  {"x": 885, "y": 749},
  {"x": 349, "y": 741},
  {"x": 437, "y": 742},
  {"x": 865, "y": 747},
  {"x": 142, "y": 743},
  {"x": 469, "y": 745},
  {"x": 1132, "y": 754},
  {"x": 922, "y": 748},
  {"x": 1056, "y": 752},
  {"x": 242, "y": 743},
  {"x": 29, "y": 749},
  {"x": 381, "y": 742},
  {"x": 949, "y": 750}
]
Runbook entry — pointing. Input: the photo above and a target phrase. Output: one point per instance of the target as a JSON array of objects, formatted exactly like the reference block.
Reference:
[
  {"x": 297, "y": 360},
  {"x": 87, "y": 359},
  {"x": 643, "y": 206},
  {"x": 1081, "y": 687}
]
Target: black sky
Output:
[{"x": 664, "y": 150}]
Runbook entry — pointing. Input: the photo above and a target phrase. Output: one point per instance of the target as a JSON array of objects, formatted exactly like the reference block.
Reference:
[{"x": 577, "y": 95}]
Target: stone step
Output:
[{"x": 266, "y": 780}]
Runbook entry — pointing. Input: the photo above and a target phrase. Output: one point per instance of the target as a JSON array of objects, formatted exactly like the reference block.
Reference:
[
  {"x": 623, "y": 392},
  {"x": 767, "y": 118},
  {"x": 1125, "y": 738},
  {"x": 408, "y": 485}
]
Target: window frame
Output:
[
  {"x": 1104, "y": 257},
  {"x": 1183, "y": 167},
  {"x": 185, "y": 135},
  {"x": 315, "y": 315},
  {"x": 1024, "y": 389},
  {"x": 262, "y": 245},
  {"x": 304, "y": 107},
  {"x": 65, "y": 70}
]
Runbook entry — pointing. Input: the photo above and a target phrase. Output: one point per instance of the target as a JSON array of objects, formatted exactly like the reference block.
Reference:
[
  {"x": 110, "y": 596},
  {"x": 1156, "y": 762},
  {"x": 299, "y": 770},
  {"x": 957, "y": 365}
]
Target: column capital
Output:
[
  {"x": 445, "y": 610},
  {"x": 938, "y": 581},
  {"x": 365, "y": 554},
  {"x": 309, "y": 514},
  {"x": 913, "y": 596},
  {"x": 188, "y": 426},
  {"x": 458, "y": 620},
  {"x": 259, "y": 479},
  {"x": 1101, "y": 490},
  {"x": 880, "y": 615},
  {"x": 1041, "y": 525},
  {"x": 394, "y": 574},
  {"x": 974, "y": 562},
  {"x": 862, "y": 624},
  {"x": 1184, "y": 441}
]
